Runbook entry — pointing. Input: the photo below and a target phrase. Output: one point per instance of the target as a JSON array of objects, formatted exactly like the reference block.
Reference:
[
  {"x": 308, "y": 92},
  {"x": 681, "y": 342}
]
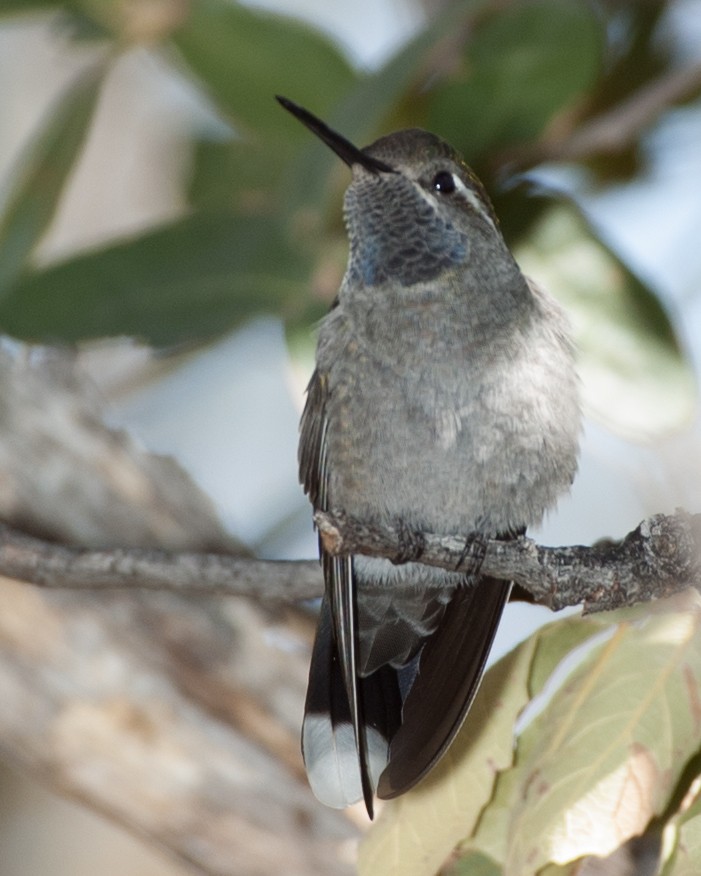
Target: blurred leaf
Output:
[
  {"x": 416, "y": 832},
  {"x": 246, "y": 56},
  {"x": 190, "y": 280},
  {"x": 72, "y": 19},
  {"x": 227, "y": 44},
  {"x": 238, "y": 174},
  {"x": 573, "y": 869},
  {"x": 493, "y": 829},
  {"x": 11, "y": 7},
  {"x": 37, "y": 184},
  {"x": 634, "y": 375},
  {"x": 685, "y": 859},
  {"x": 522, "y": 65},
  {"x": 604, "y": 756},
  {"x": 474, "y": 864}
]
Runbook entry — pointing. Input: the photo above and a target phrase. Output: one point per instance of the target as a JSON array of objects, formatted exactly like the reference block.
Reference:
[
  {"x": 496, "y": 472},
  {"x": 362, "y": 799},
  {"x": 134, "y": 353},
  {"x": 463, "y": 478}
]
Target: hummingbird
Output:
[{"x": 444, "y": 399}]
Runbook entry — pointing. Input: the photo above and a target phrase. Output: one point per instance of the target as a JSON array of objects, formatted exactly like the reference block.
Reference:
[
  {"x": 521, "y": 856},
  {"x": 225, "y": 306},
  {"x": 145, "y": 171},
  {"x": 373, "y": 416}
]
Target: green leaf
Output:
[
  {"x": 554, "y": 643},
  {"x": 605, "y": 755},
  {"x": 187, "y": 281},
  {"x": 37, "y": 184},
  {"x": 415, "y": 833},
  {"x": 634, "y": 376},
  {"x": 246, "y": 56},
  {"x": 558, "y": 640},
  {"x": 473, "y": 864},
  {"x": 238, "y": 175},
  {"x": 12, "y": 7},
  {"x": 523, "y": 64}
]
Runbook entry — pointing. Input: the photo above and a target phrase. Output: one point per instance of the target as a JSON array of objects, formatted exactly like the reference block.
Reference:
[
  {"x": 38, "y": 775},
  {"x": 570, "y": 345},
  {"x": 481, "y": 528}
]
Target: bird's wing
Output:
[
  {"x": 348, "y": 720},
  {"x": 311, "y": 453},
  {"x": 450, "y": 669}
]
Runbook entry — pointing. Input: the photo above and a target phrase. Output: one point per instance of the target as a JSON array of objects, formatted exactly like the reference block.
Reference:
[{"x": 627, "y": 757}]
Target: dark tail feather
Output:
[
  {"x": 341, "y": 768},
  {"x": 338, "y": 574},
  {"x": 450, "y": 669}
]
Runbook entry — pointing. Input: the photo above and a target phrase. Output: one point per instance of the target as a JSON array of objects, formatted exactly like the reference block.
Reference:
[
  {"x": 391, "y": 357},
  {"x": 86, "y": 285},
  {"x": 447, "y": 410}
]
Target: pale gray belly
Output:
[{"x": 452, "y": 460}]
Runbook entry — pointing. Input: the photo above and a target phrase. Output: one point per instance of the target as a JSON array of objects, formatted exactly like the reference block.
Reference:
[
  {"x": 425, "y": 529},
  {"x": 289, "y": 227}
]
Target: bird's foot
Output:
[
  {"x": 411, "y": 544},
  {"x": 473, "y": 553}
]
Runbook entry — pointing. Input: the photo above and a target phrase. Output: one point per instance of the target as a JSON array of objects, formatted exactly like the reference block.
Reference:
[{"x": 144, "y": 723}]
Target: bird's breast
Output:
[{"x": 454, "y": 437}]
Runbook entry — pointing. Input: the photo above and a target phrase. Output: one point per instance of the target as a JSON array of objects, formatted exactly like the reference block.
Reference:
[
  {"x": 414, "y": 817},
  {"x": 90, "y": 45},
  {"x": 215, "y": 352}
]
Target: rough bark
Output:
[{"x": 660, "y": 557}]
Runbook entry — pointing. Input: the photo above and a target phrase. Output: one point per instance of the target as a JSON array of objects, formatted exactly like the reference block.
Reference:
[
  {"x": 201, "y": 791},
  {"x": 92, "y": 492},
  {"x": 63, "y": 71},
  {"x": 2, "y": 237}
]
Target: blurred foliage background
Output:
[{"x": 234, "y": 211}]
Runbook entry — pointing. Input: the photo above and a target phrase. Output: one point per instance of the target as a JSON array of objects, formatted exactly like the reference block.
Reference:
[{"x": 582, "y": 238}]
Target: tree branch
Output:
[
  {"x": 615, "y": 130},
  {"x": 56, "y": 566},
  {"x": 623, "y": 125},
  {"x": 660, "y": 557}
]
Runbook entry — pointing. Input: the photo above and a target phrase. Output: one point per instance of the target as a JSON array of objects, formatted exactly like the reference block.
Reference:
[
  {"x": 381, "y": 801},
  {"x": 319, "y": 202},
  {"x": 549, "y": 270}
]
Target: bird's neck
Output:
[{"x": 458, "y": 308}]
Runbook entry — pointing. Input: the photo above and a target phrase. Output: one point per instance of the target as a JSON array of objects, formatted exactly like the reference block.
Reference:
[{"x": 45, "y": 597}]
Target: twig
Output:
[
  {"x": 617, "y": 129},
  {"x": 56, "y": 566},
  {"x": 660, "y": 557}
]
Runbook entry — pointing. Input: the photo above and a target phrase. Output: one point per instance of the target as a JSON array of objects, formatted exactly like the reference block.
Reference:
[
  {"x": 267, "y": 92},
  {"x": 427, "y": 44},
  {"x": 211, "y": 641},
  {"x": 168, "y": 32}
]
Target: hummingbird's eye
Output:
[{"x": 444, "y": 182}]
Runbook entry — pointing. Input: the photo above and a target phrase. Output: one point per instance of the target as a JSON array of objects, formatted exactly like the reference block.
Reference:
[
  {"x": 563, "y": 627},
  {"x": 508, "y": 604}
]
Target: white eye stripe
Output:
[
  {"x": 461, "y": 191},
  {"x": 468, "y": 195}
]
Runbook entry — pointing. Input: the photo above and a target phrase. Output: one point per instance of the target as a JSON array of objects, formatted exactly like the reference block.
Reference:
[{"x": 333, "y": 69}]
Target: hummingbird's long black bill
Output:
[{"x": 345, "y": 150}]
